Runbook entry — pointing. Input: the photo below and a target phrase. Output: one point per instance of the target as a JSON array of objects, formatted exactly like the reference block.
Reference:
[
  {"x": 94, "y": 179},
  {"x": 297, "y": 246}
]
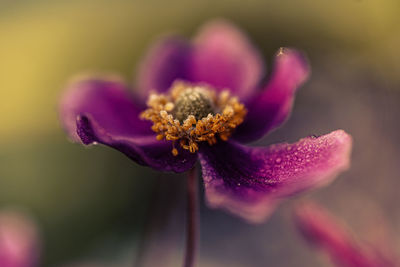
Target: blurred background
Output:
[{"x": 95, "y": 207}]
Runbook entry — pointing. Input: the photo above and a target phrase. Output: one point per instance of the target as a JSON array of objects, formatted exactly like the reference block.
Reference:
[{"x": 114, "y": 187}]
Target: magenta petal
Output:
[
  {"x": 271, "y": 107},
  {"x": 166, "y": 61},
  {"x": 250, "y": 181},
  {"x": 328, "y": 233},
  {"x": 224, "y": 57},
  {"x": 102, "y": 111}
]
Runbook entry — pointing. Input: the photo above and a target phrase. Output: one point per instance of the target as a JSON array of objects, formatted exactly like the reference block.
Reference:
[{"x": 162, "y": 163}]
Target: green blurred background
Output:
[{"x": 93, "y": 203}]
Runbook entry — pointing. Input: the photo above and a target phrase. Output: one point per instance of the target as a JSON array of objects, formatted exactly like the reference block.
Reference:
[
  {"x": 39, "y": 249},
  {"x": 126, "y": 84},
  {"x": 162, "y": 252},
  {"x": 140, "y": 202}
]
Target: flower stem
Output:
[{"x": 192, "y": 219}]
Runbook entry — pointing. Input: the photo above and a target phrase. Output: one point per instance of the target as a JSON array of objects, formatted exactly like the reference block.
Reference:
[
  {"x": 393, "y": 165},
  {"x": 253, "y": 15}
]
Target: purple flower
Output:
[
  {"x": 205, "y": 99},
  {"x": 19, "y": 240},
  {"x": 326, "y": 232}
]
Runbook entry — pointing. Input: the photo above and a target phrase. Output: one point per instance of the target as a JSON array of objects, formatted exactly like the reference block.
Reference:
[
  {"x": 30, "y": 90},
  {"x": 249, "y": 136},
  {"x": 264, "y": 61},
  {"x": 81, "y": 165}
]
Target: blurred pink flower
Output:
[
  {"x": 19, "y": 240},
  {"x": 332, "y": 236}
]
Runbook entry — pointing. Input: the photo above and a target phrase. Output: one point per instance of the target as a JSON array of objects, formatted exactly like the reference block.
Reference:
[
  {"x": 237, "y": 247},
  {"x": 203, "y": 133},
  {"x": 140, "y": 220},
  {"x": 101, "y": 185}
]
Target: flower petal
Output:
[
  {"x": 166, "y": 61},
  {"x": 107, "y": 100},
  {"x": 223, "y": 57},
  {"x": 145, "y": 150},
  {"x": 271, "y": 107},
  {"x": 250, "y": 181},
  {"x": 326, "y": 232},
  {"x": 102, "y": 111}
]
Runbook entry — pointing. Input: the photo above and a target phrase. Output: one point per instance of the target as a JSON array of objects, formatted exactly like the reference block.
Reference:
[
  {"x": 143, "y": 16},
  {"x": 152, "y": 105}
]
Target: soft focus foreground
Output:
[
  {"x": 19, "y": 240},
  {"x": 331, "y": 235},
  {"x": 92, "y": 204}
]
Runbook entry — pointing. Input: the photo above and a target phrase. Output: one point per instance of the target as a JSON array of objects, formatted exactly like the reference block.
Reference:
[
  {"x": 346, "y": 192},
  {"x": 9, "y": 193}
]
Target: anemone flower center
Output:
[
  {"x": 193, "y": 101},
  {"x": 193, "y": 113}
]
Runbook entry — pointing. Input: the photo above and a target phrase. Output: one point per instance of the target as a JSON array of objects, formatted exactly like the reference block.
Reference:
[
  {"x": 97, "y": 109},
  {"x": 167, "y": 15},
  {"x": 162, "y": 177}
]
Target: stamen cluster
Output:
[{"x": 191, "y": 113}]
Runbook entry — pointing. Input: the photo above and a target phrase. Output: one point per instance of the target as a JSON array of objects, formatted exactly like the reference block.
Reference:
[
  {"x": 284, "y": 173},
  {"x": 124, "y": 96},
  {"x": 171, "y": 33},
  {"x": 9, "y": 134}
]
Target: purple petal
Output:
[
  {"x": 272, "y": 106},
  {"x": 166, "y": 61},
  {"x": 224, "y": 57},
  {"x": 145, "y": 150},
  {"x": 250, "y": 181},
  {"x": 102, "y": 111},
  {"x": 325, "y": 231},
  {"x": 107, "y": 101}
]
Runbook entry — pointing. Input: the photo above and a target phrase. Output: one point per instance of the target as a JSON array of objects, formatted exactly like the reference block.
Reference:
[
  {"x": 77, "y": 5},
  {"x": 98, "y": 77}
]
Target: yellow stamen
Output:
[
  {"x": 175, "y": 151},
  {"x": 228, "y": 114}
]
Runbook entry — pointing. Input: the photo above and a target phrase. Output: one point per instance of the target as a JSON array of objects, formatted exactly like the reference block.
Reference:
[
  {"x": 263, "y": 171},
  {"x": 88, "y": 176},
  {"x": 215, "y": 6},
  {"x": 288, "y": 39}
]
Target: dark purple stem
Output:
[{"x": 192, "y": 219}]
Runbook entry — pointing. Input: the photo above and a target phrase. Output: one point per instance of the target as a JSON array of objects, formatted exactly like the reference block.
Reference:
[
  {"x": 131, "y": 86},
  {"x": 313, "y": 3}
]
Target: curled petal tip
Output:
[
  {"x": 84, "y": 130},
  {"x": 296, "y": 61}
]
